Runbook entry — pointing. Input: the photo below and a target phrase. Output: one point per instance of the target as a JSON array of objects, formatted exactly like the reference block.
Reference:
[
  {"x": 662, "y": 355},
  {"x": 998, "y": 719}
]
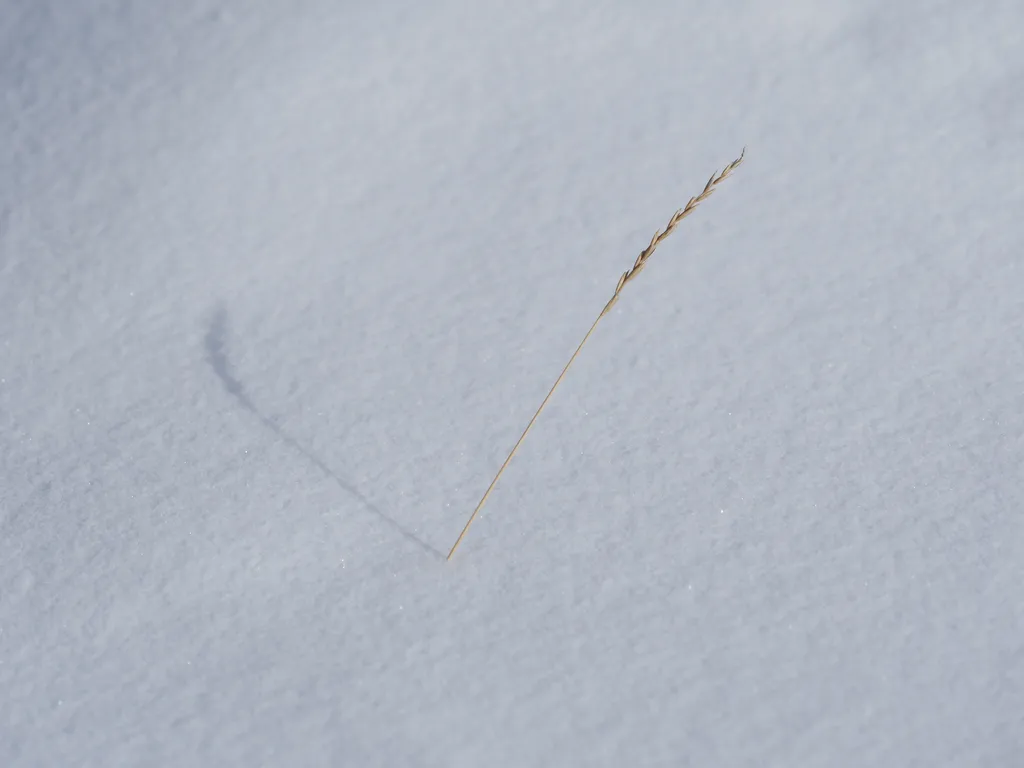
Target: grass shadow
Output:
[{"x": 217, "y": 358}]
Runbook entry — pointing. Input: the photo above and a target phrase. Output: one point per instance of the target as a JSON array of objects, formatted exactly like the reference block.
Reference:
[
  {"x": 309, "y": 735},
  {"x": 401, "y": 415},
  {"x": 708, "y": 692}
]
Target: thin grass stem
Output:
[{"x": 625, "y": 279}]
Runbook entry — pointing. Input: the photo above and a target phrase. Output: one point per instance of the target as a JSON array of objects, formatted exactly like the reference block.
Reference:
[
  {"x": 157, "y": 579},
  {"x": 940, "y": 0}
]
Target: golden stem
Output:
[{"x": 638, "y": 265}]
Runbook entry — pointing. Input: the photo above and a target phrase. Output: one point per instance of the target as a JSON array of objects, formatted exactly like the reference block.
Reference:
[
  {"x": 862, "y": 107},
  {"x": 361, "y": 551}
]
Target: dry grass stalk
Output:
[{"x": 627, "y": 276}]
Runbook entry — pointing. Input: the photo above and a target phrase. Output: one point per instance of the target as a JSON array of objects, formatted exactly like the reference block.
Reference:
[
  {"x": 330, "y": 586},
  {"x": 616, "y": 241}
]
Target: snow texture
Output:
[{"x": 281, "y": 283}]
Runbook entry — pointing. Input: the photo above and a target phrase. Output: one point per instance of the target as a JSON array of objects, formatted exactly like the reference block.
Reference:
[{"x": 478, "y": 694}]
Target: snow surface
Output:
[{"x": 281, "y": 283}]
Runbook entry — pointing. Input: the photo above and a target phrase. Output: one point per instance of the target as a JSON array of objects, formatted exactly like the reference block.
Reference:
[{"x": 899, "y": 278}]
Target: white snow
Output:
[{"x": 282, "y": 282}]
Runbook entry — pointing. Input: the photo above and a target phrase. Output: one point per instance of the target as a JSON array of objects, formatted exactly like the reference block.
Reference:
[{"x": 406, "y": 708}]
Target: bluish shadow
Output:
[{"x": 217, "y": 357}]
